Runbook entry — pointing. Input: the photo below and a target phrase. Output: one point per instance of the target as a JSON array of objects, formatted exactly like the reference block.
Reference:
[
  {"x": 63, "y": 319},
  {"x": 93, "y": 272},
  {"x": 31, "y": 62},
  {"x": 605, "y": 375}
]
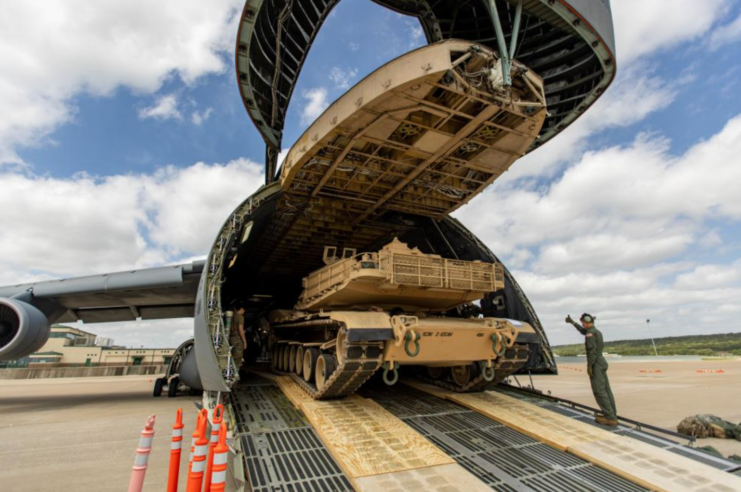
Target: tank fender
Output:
[
  {"x": 527, "y": 337},
  {"x": 365, "y": 326}
]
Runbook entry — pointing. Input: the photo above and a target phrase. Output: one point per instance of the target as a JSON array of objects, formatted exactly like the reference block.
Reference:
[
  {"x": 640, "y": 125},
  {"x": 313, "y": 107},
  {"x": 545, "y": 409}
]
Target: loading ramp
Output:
[{"x": 428, "y": 442}]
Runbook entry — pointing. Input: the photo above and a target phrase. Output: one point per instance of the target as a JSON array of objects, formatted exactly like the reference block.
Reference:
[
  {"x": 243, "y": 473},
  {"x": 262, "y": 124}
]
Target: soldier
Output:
[
  {"x": 470, "y": 310},
  {"x": 237, "y": 339},
  {"x": 597, "y": 369}
]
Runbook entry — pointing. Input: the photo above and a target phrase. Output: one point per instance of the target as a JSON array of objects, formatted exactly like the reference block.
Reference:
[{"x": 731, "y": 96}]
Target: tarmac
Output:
[
  {"x": 659, "y": 393},
  {"x": 82, "y": 433}
]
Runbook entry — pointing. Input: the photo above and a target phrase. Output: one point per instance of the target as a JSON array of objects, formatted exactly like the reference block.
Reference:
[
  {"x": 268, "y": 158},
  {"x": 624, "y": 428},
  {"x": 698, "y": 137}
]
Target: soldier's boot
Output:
[{"x": 601, "y": 419}]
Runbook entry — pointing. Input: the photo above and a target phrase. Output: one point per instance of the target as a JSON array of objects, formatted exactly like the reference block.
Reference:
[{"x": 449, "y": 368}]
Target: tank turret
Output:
[{"x": 398, "y": 277}]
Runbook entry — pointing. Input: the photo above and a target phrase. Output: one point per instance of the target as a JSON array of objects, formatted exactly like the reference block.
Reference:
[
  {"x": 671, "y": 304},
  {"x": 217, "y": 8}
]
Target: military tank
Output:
[{"x": 396, "y": 307}]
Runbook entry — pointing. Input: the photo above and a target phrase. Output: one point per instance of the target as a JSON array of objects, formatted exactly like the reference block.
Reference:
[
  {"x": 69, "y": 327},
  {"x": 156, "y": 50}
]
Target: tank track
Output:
[
  {"x": 360, "y": 360},
  {"x": 514, "y": 359}
]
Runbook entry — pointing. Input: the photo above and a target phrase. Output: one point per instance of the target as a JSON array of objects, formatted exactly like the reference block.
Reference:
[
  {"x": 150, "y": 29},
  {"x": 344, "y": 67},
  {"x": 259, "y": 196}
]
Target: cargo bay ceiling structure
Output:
[{"x": 570, "y": 44}]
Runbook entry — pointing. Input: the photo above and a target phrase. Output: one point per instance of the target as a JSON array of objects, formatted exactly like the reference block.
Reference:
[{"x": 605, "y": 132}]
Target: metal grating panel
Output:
[
  {"x": 702, "y": 457},
  {"x": 408, "y": 403},
  {"x": 281, "y": 452},
  {"x": 252, "y": 379},
  {"x": 648, "y": 439},
  {"x": 501, "y": 457},
  {"x": 263, "y": 408},
  {"x": 291, "y": 460}
]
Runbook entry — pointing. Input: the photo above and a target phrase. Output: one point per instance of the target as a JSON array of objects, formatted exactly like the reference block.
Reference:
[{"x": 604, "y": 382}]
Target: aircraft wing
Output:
[{"x": 153, "y": 293}]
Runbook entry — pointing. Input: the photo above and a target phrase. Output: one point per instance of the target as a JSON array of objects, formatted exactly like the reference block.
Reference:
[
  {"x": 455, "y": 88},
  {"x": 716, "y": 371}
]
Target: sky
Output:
[{"x": 124, "y": 144}]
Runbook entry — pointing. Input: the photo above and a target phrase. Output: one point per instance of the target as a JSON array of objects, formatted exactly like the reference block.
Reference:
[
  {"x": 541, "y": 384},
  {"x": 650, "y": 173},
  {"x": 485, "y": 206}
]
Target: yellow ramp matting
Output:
[
  {"x": 554, "y": 429},
  {"x": 445, "y": 478},
  {"x": 656, "y": 468},
  {"x": 647, "y": 465},
  {"x": 366, "y": 440},
  {"x": 293, "y": 391}
]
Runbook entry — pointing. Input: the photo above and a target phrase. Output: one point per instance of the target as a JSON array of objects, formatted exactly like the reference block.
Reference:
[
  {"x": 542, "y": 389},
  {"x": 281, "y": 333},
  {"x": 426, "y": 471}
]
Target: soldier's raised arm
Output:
[{"x": 581, "y": 329}]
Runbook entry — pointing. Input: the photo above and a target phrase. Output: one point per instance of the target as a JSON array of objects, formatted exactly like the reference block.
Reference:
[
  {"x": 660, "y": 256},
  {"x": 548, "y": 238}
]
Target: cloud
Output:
[
  {"x": 710, "y": 276},
  {"x": 342, "y": 78},
  {"x": 198, "y": 118},
  {"x": 167, "y": 333},
  {"x": 317, "y": 103},
  {"x": 416, "y": 34},
  {"x": 57, "y": 227},
  {"x": 635, "y": 94},
  {"x": 643, "y": 28},
  {"x": 727, "y": 34},
  {"x": 614, "y": 234},
  {"x": 165, "y": 108},
  {"x": 52, "y": 53},
  {"x": 638, "y": 91}
]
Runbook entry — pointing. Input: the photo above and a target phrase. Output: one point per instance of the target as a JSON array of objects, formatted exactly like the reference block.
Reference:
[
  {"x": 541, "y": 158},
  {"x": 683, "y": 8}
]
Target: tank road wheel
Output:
[
  {"x": 310, "y": 357},
  {"x": 462, "y": 375},
  {"x": 276, "y": 357},
  {"x": 281, "y": 357},
  {"x": 292, "y": 358},
  {"x": 299, "y": 360},
  {"x": 286, "y": 358},
  {"x": 325, "y": 366},
  {"x": 435, "y": 372}
]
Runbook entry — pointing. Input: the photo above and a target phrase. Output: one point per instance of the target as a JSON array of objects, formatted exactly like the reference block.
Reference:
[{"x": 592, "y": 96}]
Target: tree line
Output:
[{"x": 704, "y": 345}]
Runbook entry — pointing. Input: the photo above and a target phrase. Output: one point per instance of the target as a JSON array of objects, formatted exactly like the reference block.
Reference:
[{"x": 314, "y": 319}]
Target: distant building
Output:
[
  {"x": 103, "y": 342},
  {"x": 69, "y": 347}
]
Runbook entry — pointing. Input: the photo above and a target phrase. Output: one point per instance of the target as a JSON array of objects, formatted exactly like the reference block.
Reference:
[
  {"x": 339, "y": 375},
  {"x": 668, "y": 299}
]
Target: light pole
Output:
[{"x": 648, "y": 325}]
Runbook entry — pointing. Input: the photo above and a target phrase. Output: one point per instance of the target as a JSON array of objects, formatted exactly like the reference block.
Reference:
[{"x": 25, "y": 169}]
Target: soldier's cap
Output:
[{"x": 587, "y": 318}]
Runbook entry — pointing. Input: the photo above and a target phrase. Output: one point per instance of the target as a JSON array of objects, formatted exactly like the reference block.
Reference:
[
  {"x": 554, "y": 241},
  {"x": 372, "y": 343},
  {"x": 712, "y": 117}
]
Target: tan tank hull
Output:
[{"x": 332, "y": 354}]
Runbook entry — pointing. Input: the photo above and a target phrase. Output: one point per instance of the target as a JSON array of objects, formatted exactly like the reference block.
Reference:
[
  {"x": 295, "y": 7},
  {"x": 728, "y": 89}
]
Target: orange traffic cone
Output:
[
  {"x": 194, "y": 437},
  {"x": 218, "y": 478},
  {"x": 218, "y": 417},
  {"x": 175, "y": 450},
  {"x": 142, "y": 456},
  {"x": 198, "y": 465}
]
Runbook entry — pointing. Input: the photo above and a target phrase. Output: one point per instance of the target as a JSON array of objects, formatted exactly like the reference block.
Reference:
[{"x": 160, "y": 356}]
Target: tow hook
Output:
[{"x": 394, "y": 369}]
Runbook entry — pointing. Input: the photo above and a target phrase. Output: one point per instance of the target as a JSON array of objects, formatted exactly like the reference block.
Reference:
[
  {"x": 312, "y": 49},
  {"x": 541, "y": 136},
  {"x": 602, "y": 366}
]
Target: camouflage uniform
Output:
[
  {"x": 235, "y": 340},
  {"x": 598, "y": 369}
]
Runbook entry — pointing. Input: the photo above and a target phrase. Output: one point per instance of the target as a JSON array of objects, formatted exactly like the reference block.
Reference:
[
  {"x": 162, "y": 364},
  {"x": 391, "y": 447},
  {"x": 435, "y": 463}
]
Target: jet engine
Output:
[{"x": 23, "y": 329}]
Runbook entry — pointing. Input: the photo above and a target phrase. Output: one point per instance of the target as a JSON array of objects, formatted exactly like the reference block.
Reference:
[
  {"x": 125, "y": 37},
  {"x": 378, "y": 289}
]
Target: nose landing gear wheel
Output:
[
  {"x": 158, "y": 385},
  {"x": 172, "y": 388}
]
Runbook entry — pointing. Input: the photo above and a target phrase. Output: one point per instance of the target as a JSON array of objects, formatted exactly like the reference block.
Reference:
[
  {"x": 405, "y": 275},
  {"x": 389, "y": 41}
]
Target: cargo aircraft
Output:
[{"x": 385, "y": 164}]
